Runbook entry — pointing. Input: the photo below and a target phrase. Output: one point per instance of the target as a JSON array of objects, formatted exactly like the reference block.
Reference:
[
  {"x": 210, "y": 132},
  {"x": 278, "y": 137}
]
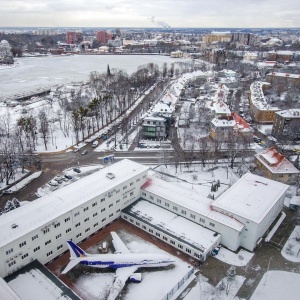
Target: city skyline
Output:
[{"x": 166, "y": 13}]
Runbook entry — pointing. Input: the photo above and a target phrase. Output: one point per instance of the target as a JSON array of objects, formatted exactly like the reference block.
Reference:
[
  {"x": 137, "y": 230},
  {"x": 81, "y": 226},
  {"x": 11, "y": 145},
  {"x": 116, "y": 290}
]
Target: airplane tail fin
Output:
[{"x": 76, "y": 251}]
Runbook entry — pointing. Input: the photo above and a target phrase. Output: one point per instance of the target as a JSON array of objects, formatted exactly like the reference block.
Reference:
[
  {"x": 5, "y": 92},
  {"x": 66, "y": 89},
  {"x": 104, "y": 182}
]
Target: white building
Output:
[
  {"x": 238, "y": 218},
  {"x": 40, "y": 229}
]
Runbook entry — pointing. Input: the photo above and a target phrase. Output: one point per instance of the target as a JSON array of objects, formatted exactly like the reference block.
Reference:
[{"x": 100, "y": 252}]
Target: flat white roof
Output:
[
  {"x": 43, "y": 210},
  {"x": 189, "y": 199},
  {"x": 251, "y": 197},
  {"x": 192, "y": 233},
  {"x": 6, "y": 293}
]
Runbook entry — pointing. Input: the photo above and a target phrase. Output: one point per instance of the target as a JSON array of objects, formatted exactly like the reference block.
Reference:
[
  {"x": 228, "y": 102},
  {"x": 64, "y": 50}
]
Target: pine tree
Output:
[{"x": 108, "y": 71}]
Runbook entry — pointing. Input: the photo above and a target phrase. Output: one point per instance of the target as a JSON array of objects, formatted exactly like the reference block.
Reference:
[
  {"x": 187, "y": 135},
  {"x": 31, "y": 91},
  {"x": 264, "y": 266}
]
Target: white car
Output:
[
  {"x": 95, "y": 144},
  {"x": 53, "y": 183}
]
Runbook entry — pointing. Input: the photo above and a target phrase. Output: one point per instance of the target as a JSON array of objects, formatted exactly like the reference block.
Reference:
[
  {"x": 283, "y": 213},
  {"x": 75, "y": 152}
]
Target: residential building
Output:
[
  {"x": 260, "y": 110},
  {"x": 282, "y": 56},
  {"x": 103, "y": 36},
  {"x": 250, "y": 56},
  {"x": 284, "y": 79},
  {"x": 287, "y": 124},
  {"x": 74, "y": 37},
  {"x": 154, "y": 127},
  {"x": 275, "y": 166},
  {"x": 215, "y": 36}
]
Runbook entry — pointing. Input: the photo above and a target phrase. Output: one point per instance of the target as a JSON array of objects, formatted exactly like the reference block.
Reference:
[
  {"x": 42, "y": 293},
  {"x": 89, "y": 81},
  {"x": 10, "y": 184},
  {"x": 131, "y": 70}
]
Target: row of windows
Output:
[
  {"x": 172, "y": 242},
  {"x": 183, "y": 212}
]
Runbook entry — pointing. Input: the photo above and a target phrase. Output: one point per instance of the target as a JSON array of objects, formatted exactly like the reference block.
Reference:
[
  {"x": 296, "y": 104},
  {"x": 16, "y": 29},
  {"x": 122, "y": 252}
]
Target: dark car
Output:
[
  {"x": 76, "y": 170},
  {"x": 69, "y": 176}
]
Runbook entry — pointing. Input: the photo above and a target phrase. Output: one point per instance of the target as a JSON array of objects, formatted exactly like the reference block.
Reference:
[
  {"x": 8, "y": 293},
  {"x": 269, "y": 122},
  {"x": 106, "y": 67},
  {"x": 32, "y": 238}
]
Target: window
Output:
[
  {"x": 96, "y": 224},
  {"x": 188, "y": 250},
  {"x": 150, "y": 230},
  {"x": 86, "y": 209},
  {"x": 118, "y": 211},
  {"x": 59, "y": 247},
  {"x": 103, "y": 209},
  {"x": 22, "y": 244},
  {"x": 77, "y": 214},
  {"x": 47, "y": 242},
  {"x": 166, "y": 204},
  {"x": 58, "y": 236},
  {"x": 35, "y": 237},
  {"x": 165, "y": 238},
  {"x": 157, "y": 234},
  {"x": 125, "y": 196},
  {"x": 144, "y": 227},
  {"x": 172, "y": 242},
  {"x": 9, "y": 251},
  {"x": 131, "y": 220},
  {"x": 137, "y": 224},
  {"x": 202, "y": 220},
  {"x": 86, "y": 220},
  {"x": 175, "y": 208},
  {"x": 24, "y": 256},
  {"x": 68, "y": 230},
  {"x": 158, "y": 201},
  {"x": 103, "y": 220},
  {"x": 117, "y": 191},
  {"x": 212, "y": 224},
  {"x": 57, "y": 225},
  {"x": 103, "y": 199},
  {"x": 193, "y": 216},
  {"x": 78, "y": 235},
  {"x": 151, "y": 197},
  {"x": 131, "y": 183},
  {"x": 144, "y": 176},
  {"x": 118, "y": 201},
  {"x": 94, "y": 204},
  {"x": 67, "y": 219},
  {"x": 12, "y": 263},
  {"x": 87, "y": 230},
  {"x": 180, "y": 246},
  {"x": 36, "y": 249},
  {"x": 95, "y": 214},
  {"x": 143, "y": 194},
  {"x": 138, "y": 180},
  {"x": 49, "y": 253},
  {"x": 46, "y": 230},
  {"x": 131, "y": 194},
  {"x": 197, "y": 255},
  {"x": 125, "y": 187},
  {"x": 110, "y": 205},
  {"x": 183, "y": 212},
  {"x": 77, "y": 225},
  {"x": 125, "y": 217}
]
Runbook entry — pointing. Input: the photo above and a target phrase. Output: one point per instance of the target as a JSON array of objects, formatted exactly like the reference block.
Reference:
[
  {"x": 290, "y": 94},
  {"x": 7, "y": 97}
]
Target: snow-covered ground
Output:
[
  {"x": 239, "y": 259},
  {"x": 155, "y": 283},
  {"x": 291, "y": 249},
  {"x": 226, "y": 289},
  {"x": 277, "y": 285}
]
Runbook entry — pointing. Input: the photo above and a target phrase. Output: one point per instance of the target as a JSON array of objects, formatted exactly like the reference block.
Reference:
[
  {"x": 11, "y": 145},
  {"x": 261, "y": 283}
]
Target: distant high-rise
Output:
[
  {"x": 103, "y": 37},
  {"x": 74, "y": 37}
]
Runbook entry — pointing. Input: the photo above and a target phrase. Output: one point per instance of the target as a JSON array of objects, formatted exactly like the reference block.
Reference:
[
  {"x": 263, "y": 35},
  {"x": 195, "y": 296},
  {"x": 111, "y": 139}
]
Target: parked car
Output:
[
  {"x": 84, "y": 152},
  {"x": 256, "y": 139},
  {"x": 68, "y": 176},
  {"x": 76, "y": 170},
  {"x": 7, "y": 192},
  {"x": 53, "y": 183},
  {"x": 76, "y": 150},
  {"x": 95, "y": 144},
  {"x": 58, "y": 178}
]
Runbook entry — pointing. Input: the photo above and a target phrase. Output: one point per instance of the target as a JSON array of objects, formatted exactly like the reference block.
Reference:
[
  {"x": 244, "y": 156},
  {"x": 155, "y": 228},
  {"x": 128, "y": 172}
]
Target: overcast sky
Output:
[{"x": 138, "y": 13}]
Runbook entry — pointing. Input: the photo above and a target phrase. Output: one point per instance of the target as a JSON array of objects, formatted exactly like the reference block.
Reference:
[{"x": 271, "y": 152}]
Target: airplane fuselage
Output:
[{"x": 116, "y": 261}]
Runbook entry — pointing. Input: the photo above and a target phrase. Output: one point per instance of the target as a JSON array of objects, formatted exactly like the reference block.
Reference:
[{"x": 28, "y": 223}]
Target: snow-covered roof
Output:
[
  {"x": 251, "y": 197},
  {"x": 275, "y": 162},
  {"x": 192, "y": 233},
  {"x": 45, "y": 209},
  {"x": 189, "y": 199},
  {"x": 286, "y": 75},
  {"x": 289, "y": 113},
  {"x": 223, "y": 122},
  {"x": 258, "y": 98},
  {"x": 163, "y": 107},
  {"x": 6, "y": 293}
]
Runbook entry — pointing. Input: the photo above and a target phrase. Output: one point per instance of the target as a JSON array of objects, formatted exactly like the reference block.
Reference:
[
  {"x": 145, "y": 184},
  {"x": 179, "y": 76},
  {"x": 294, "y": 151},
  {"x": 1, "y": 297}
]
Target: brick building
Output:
[{"x": 74, "y": 37}]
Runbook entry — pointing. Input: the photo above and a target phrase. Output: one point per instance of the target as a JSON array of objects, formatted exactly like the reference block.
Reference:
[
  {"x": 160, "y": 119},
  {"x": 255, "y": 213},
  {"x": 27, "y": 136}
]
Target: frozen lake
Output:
[{"x": 35, "y": 72}]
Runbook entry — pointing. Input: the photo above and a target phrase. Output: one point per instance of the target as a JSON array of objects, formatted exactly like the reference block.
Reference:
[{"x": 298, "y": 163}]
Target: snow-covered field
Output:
[{"x": 155, "y": 283}]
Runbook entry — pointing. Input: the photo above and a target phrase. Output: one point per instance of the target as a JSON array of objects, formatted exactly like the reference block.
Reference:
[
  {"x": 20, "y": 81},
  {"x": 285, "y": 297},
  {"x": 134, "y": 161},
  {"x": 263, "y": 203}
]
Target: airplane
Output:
[{"x": 123, "y": 261}]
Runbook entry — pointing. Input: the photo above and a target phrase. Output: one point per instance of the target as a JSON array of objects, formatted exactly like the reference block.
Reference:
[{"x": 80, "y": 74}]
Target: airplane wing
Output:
[
  {"x": 122, "y": 274},
  {"x": 118, "y": 244}
]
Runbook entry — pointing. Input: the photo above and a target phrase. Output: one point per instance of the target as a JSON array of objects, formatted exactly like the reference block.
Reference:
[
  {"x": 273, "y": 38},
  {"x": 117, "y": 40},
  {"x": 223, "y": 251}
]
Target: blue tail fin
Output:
[{"x": 76, "y": 251}]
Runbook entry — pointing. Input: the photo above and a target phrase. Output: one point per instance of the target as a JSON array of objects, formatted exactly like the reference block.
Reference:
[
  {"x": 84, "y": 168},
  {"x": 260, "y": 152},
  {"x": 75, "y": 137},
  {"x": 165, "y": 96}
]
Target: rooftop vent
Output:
[
  {"x": 14, "y": 225},
  {"x": 110, "y": 175}
]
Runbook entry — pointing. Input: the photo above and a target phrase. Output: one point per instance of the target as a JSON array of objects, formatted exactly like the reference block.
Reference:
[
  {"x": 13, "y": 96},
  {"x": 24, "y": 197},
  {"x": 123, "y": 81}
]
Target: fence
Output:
[{"x": 178, "y": 285}]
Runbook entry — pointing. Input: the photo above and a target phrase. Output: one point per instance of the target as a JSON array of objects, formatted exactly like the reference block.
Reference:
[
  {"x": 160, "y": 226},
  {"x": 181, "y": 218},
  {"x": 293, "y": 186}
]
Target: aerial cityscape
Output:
[{"x": 149, "y": 150}]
